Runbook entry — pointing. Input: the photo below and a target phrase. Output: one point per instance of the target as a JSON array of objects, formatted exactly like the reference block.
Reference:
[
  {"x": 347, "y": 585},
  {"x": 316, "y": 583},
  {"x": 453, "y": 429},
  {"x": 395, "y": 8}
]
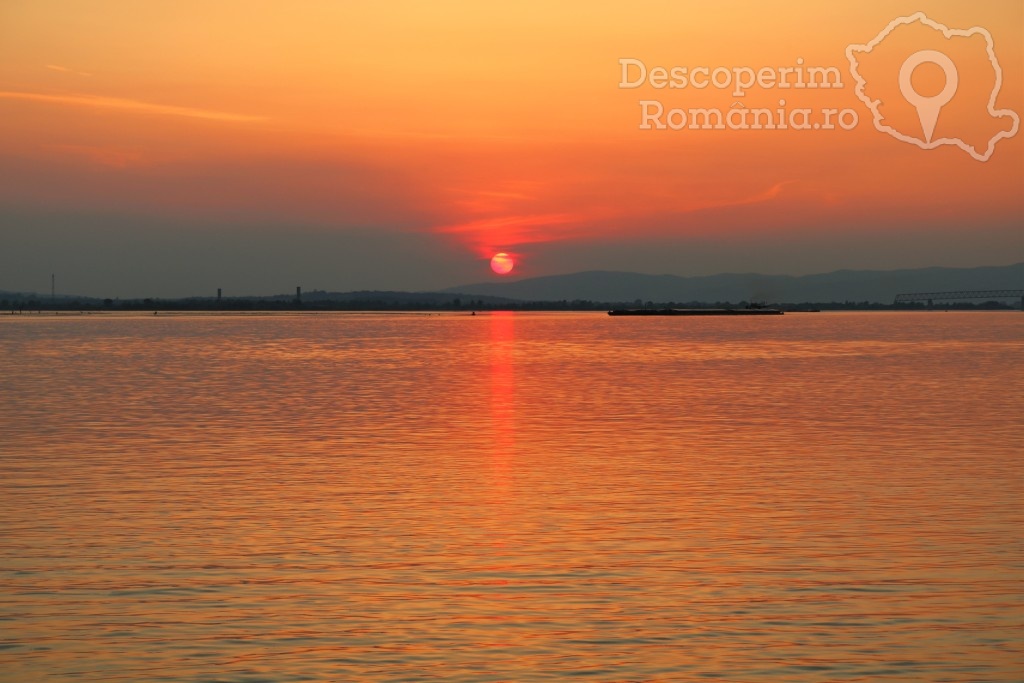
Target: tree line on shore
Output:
[{"x": 33, "y": 303}]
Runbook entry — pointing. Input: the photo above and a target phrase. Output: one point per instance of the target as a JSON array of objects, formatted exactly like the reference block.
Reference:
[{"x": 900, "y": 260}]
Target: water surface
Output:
[{"x": 511, "y": 497}]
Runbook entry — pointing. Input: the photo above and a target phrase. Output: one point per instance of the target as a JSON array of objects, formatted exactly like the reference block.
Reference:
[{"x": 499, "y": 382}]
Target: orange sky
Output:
[{"x": 478, "y": 127}]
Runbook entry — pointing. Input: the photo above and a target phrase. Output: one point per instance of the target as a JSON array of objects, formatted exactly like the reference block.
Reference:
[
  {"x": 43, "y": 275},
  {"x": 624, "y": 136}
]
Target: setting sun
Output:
[{"x": 502, "y": 263}]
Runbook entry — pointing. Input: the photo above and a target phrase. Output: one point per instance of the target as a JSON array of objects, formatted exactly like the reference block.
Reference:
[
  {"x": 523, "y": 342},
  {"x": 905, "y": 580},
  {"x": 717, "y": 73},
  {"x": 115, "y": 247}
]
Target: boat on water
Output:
[{"x": 696, "y": 311}]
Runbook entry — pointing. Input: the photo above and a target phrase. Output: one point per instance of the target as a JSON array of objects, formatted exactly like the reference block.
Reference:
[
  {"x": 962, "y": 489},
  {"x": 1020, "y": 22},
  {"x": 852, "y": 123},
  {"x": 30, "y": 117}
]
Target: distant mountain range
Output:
[{"x": 879, "y": 286}]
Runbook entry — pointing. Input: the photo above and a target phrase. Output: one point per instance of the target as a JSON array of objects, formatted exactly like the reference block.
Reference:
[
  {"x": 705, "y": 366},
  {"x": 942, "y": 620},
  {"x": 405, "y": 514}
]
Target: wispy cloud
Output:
[
  {"x": 66, "y": 70},
  {"x": 114, "y": 157},
  {"x": 517, "y": 227},
  {"x": 117, "y": 103},
  {"x": 502, "y": 232},
  {"x": 508, "y": 221},
  {"x": 757, "y": 198}
]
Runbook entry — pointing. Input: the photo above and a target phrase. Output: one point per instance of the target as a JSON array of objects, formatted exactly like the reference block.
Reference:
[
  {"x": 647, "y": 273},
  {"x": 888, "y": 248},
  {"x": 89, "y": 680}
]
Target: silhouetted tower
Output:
[
  {"x": 218, "y": 295},
  {"x": 53, "y": 287},
  {"x": 298, "y": 294}
]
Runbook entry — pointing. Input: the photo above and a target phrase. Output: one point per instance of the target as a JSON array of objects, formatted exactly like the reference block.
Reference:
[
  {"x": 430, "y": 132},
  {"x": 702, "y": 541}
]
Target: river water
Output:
[{"x": 511, "y": 497}]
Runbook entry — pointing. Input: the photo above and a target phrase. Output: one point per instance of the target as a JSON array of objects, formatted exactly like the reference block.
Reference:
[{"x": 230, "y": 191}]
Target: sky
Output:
[{"x": 170, "y": 148}]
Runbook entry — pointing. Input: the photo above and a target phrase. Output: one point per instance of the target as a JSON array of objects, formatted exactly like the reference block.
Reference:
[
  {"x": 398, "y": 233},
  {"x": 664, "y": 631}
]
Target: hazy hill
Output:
[{"x": 842, "y": 285}]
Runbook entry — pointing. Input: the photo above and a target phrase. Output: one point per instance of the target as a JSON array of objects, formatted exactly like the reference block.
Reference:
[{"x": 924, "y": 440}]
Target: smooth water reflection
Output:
[{"x": 511, "y": 497}]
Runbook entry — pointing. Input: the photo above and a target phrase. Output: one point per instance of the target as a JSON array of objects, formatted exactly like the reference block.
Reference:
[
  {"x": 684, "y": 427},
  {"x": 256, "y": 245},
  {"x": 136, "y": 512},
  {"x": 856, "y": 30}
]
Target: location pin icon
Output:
[{"x": 928, "y": 107}]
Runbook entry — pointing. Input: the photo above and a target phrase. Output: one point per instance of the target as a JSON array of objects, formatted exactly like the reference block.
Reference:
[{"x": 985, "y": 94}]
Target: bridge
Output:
[{"x": 986, "y": 294}]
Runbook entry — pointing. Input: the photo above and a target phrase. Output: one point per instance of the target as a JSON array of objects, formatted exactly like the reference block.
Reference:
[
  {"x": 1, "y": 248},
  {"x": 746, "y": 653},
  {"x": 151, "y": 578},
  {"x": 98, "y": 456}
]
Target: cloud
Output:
[
  {"x": 115, "y": 157},
  {"x": 117, "y": 103},
  {"x": 517, "y": 228},
  {"x": 66, "y": 70},
  {"x": 757, "y": 198},
  {"x": 487, "y": 234}
]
